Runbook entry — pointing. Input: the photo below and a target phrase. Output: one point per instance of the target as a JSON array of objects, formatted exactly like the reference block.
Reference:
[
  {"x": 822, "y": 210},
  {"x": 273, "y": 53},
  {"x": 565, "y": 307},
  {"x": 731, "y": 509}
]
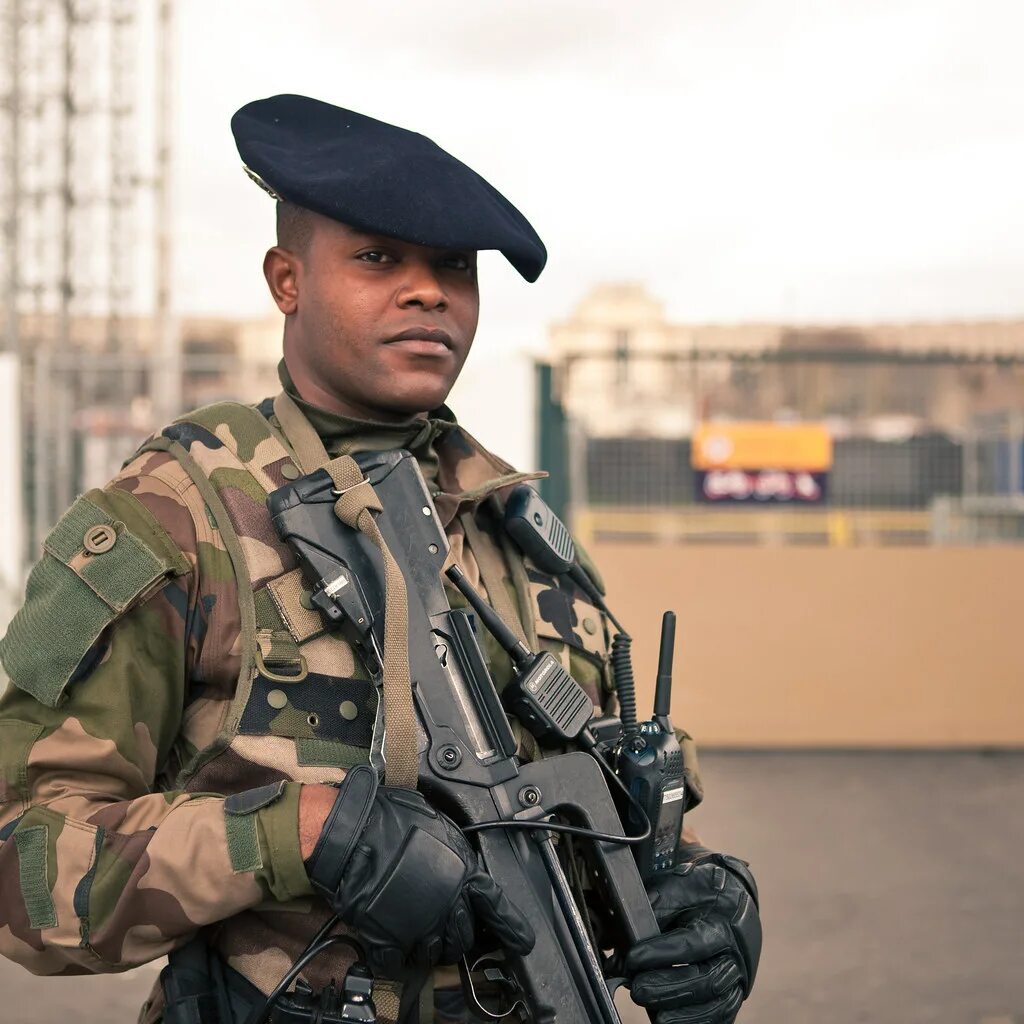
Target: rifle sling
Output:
[{"x": 355, "y": 506}]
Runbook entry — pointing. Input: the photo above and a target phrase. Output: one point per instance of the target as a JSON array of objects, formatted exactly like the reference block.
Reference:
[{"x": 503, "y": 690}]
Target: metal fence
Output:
[{"x": 927, "y": 448}]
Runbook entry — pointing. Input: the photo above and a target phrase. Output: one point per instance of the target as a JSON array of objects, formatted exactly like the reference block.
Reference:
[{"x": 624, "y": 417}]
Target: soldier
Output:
[{"x": 180, "y": 739}]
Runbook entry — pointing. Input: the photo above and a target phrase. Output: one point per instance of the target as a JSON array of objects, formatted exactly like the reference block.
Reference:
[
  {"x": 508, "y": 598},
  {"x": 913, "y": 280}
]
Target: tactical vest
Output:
[{"x": 304, "y": 706}]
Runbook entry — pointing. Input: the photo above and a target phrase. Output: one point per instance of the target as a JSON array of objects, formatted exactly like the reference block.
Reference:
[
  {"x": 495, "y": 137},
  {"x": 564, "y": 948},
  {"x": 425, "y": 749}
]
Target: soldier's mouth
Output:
[{"x": 430, "y": 335}]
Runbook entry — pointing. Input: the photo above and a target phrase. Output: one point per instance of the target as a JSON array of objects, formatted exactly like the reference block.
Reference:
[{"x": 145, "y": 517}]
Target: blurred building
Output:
[
  {"x": 219, "y": 358},
  {"x": 100, "y": 403},
  {"x": 85, "y": 110},
  {"x": 624, "y": 370},
  {"x": 926, "y": 422},
  {"x": 225, "y": 358}
]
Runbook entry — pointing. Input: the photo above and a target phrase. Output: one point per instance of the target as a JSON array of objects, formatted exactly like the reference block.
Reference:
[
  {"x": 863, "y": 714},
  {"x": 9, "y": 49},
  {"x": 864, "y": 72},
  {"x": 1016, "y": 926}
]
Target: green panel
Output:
[
  {"x": 552, "y": 443},
  {"x": 267, "y": 614},
  {"x": 316, "y": 753},
  {"x": 55, "y": 627},
  {"x": 284, "y": 873},
  {"x": 65, "y": 540},
  {"x": 121, "y": 574},
  {"x": 214, "y": 563},
  {"x": 32, "y": 873},
  {"x": 291, "y": 721},
  {"x": 71, "y": 597},
  {"x": 243, "y": 842}
]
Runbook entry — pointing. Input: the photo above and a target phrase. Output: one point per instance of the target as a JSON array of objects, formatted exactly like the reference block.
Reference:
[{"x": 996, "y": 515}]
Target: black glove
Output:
[
  {"x": 407, "y": 880},
  {"x": 702, "y": 966}
]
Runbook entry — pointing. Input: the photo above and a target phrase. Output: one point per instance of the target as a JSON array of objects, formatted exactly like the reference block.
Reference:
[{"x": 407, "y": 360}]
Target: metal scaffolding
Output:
[{"x": 85, "y": 97}]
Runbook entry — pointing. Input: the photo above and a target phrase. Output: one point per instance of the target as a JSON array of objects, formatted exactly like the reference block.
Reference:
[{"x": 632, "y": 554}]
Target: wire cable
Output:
[
  {"x": 312, "y": 951},
  {"x": 625, "y": 684}
]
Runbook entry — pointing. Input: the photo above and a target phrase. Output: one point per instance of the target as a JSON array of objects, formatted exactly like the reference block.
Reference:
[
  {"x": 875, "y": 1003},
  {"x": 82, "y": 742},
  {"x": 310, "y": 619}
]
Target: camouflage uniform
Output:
[{"x": 171, "y": 690}]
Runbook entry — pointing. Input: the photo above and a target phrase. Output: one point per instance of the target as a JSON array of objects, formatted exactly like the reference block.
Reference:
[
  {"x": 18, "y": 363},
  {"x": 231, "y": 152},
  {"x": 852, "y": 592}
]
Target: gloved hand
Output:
[
  {"x": 407, "y": 880},
  {"x": 702, "y": 966}
]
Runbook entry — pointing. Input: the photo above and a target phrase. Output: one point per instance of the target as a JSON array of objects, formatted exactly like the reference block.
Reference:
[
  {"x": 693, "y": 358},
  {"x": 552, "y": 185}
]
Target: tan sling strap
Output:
[
  {"x": 357, "y": 501},
  {"x": 310, "y": 452}
]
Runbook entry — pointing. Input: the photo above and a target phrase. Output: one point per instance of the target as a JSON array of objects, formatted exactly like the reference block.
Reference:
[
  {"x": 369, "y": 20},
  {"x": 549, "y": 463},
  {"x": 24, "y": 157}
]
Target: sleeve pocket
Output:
[{"x": 92, "y": 570}]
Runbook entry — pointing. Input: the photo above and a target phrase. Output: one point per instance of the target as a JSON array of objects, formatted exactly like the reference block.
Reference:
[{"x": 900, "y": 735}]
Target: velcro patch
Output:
[
  {"x": 243, "y": 842},
  {"x": 31, "y": 843},
  {"x": 78, "y": 588},
  {"x": 317, "y": 753}
]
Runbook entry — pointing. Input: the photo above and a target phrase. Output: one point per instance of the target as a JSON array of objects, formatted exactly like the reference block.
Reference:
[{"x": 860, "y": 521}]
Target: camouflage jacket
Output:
[{"x": 153, "y": 739}]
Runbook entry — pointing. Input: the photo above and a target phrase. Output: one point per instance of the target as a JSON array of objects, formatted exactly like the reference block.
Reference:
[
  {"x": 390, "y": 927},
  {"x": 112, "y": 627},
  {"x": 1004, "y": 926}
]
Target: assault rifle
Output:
[{"x": 467, "y": 762}]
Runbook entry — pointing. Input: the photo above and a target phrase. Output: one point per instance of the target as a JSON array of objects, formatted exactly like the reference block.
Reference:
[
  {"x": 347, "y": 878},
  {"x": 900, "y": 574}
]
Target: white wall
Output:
[{"x": 494, "y": 400}]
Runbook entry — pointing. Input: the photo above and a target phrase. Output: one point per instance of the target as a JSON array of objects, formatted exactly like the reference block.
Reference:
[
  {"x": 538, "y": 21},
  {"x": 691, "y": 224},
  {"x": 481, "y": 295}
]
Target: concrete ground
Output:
[{"x": 892, "y": 892}]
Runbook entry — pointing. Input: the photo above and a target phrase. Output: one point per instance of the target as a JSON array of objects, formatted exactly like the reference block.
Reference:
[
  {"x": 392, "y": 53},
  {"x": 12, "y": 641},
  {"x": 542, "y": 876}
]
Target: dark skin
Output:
[{"x": 346, "y": 295}]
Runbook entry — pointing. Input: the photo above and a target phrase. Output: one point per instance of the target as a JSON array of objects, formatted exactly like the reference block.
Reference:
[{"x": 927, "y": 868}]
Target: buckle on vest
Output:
[{"x": 278, "y": 657}]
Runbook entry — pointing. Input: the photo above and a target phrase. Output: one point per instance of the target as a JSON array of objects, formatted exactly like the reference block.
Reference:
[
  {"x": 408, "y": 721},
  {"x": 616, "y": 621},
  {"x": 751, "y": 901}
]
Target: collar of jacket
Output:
[{"x": 458, "y": 470}]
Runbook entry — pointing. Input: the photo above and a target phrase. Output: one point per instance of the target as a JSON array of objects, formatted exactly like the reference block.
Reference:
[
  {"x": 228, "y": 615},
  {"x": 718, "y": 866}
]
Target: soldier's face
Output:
[{"x": 377, "y": 328}]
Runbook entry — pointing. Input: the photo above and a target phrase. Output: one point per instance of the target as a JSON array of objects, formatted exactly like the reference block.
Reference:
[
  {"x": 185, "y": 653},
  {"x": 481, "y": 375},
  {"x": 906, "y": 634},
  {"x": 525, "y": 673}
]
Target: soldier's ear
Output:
[{"x": 281, "y": 269}]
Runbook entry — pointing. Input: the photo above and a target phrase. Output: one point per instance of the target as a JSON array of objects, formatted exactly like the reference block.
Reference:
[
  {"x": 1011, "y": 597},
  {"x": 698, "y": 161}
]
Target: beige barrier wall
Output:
[{"x": 790, "y": 647}]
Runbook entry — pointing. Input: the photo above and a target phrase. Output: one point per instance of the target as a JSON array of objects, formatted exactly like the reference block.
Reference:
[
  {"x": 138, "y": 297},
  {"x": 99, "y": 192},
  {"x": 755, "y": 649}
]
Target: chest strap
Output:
[{"x": 357, "y": 501}]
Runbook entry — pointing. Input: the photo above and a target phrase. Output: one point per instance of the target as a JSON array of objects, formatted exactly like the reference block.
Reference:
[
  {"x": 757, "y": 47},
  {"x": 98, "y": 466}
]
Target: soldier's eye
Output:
[
  {"x": 460, "y": 262},
  {"x": 376, "y": 256}
]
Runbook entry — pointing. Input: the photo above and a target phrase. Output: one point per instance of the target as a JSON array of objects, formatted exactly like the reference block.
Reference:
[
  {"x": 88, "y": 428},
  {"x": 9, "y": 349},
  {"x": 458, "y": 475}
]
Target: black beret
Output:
[{"x": 379, "y": 178}]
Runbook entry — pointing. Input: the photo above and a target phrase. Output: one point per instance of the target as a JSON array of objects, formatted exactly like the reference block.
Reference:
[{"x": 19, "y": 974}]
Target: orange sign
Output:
[{"x": 752, "y": 446}]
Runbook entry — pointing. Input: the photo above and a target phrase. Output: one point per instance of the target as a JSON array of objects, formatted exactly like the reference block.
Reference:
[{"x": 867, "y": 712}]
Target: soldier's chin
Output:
[{"x": 420, "y": 392}]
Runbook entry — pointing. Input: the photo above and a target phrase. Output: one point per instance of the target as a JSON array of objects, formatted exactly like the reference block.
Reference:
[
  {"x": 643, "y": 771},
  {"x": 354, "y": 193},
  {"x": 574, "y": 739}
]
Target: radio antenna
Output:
[{"x": 663, "y": 685}]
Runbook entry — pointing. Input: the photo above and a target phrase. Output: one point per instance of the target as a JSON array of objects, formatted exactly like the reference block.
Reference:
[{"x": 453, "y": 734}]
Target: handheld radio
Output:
[
  {"x": 650, "y": 765},
  {"x": 649, "y": 762}
]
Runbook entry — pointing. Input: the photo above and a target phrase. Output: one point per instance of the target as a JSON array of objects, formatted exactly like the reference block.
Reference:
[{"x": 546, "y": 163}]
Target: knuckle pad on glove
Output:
[
  {"x": 687, "y": 984},
  {"x": 718, "y": 1011},
  {"x": 665, "y": 988},
  {"x": 699, "y": 940}
]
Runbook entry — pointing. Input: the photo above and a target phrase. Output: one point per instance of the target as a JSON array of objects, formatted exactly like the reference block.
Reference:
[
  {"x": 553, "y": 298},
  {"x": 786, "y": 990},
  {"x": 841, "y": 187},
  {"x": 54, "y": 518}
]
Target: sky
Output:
[{"x": 798, "y": 160}]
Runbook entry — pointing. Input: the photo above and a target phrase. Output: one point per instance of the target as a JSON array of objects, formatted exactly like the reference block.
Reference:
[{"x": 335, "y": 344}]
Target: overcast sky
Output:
[{"x": 773, "y": 159}]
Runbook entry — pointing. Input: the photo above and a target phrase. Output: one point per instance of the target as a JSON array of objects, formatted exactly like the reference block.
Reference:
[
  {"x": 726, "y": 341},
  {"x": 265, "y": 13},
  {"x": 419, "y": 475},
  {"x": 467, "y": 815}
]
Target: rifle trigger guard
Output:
[{"x": 496, "y": 975}]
